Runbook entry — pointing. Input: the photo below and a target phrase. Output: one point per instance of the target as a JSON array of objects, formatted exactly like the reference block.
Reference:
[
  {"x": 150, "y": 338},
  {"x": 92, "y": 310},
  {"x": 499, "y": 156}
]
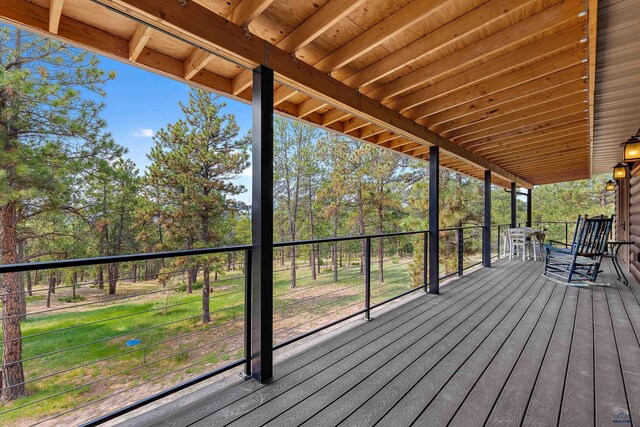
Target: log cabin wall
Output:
[
  {"x": 629, "y": 206},
  {"x": 621, "y": 227}
]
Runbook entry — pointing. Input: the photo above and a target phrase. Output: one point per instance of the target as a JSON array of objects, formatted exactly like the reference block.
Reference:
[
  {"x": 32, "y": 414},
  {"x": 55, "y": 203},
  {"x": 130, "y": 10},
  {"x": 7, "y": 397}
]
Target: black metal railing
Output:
[{"x": 163, "y": 327}]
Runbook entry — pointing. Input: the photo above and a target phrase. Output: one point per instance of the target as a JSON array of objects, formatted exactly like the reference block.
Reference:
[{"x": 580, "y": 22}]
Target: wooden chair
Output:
[
  {"x": 582, "y": 263},
  {"x": 517, "y": 239}
]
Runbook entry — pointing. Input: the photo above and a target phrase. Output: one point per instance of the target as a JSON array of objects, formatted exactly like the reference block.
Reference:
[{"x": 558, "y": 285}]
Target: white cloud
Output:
[
  {"x": 247, "y": 172},
  {"x": 143, "y": 133}
]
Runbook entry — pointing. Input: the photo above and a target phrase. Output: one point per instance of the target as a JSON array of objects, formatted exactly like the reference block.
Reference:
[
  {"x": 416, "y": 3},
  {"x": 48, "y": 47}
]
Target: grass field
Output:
[{"x": 77, "y": 353}]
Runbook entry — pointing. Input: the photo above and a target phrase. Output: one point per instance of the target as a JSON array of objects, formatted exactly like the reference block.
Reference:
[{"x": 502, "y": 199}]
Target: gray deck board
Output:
[{"x": 501, "y": 346}]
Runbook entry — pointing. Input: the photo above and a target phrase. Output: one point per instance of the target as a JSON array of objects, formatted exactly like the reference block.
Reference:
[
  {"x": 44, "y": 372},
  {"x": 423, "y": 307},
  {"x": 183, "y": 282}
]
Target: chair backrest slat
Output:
[{"x": 593, "y": 236}]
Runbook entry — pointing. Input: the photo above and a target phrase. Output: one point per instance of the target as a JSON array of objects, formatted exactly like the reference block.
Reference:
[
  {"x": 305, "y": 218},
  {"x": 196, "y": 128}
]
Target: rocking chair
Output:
[{"x": 580, "y": 262}]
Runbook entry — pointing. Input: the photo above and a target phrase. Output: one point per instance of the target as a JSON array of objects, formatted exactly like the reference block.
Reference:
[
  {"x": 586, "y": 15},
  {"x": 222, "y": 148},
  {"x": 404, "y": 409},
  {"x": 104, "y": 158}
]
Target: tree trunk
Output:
[
  {"x": 292, "y": 284},
  {"x": 11, "y": 369},
  {"x": 312, "y": 261},
  {"x": 112, "y": 270},
  {"x": 29, "y": 284},
  {"x": 190, "y": 281},
  {"x": 135, "y": 272},
  {"x": 100, "y": 277},
  {"x": 52, "y": 286},
  {"x": 74, "y": 283},
  {"x": 206, "y": 317}
]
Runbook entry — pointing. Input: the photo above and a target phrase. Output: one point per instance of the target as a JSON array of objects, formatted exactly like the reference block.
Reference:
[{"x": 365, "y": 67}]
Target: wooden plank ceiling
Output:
[
  {"x": 617, "y": 109},
  {"x": 497, "y": 84}
]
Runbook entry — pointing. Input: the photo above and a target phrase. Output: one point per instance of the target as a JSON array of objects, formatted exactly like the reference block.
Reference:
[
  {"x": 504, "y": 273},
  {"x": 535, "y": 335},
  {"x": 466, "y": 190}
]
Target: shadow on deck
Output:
[{"x": 501, "y": 346}]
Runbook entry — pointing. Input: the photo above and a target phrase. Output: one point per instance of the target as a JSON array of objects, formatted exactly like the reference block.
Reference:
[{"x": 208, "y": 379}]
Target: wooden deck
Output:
[{"x": 499, "y": 347}]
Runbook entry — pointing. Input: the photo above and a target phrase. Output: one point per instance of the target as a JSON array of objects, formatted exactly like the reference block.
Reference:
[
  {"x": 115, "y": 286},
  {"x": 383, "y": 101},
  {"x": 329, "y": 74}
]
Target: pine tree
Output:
[
  {"x": 51, "y": 133},
  {"x": 193, "y": 163}
]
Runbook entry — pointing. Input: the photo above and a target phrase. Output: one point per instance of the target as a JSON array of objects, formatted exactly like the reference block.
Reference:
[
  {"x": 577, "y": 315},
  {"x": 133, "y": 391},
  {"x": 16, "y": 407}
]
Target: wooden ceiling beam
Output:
[
  {"x": 568, "y": 144},
  {"x": 318, "y": 23},
  {"x": 473, "y": 21},
  {"x": 399, "y": 143},
  {"x": 575, "y": 117},
  {"x": 309, "y": 106},
  {"x": 525, "y": 123},
  {"x": 248, "y": 10},
  {"x": 543, "y": 129},
  {"x": 304, "y": 34},
  {"x": 138, "y": 41},
  {"x": 541, "y": 168},
  {"x": 333, "y": 116},
  {"x": 537, "y": 72},
  {"x": 371, "y": 130},
  {"x": 55, "y": 11},
  {"x": 514, "y": 62},
  {"x": 497, "y": 42},
  {"x": 515, "y": 106},
  {"x": 432, "y": 114},
  {"x": 379, "y": 33},
  {"x": 385, "y": 136},
  {"x": 196, "y": 24},
  {"x": 515, "y": 147},
  {"x": 532, "y": 138},
  {"x": 353, "y": 124},
  {"x": 71, "y": 31},
  {"x": 196, "y": 62},
  {"x": 515, "y": 118}
]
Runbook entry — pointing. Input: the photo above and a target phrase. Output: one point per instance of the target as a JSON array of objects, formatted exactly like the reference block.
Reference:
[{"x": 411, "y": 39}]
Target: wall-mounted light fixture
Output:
[
  {"x": 632, "y": 148},
  {"x": 610, "y": 185},
  {"x": 620, "y": 171}
]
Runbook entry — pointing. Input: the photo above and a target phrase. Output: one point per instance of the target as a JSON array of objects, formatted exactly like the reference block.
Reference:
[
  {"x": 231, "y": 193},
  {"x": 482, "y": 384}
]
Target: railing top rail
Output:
[{"x": 81, "y": 262}]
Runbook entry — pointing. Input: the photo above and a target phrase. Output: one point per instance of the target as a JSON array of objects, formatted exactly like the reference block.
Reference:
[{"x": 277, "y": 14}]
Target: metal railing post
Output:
[
  {"x": 460, "y": 252},
  {"x": 566, "y": 233},
  {"x": 425, "y": 260},
  {"x": 247, "y": 313},
  {"x": 498, "y": 247},
  {"x": 367, "y": 278}
]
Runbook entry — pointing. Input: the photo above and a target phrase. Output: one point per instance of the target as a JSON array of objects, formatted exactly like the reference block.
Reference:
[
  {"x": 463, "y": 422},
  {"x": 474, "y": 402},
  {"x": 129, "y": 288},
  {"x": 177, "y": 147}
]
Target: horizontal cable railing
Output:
[{"x": 126, "y": 330}]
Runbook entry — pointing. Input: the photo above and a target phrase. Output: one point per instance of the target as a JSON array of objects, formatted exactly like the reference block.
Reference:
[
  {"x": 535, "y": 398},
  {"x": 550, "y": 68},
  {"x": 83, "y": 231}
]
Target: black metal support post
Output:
[
  {"x": 529, "y": 207},
  {"x": 425, "y": 261},
  {"x": 513, "y": 204},
  {"x": 486, "y": 230},
  {"x": 498, "y": 242},
  {"x": 247, "y": 313},
  {"x": 434, "y": 220},
  {"x": 460, "y": 252},
  {"x": 262, "y": 226},
  {"x": 367, "y": 278}
]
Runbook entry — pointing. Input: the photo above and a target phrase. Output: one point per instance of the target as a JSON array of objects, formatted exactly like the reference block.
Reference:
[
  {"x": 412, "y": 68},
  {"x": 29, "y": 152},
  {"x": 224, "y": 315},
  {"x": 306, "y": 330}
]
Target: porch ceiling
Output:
[
  {"x": 617, "y": 110},
  {"x": 497, "y": 84}
]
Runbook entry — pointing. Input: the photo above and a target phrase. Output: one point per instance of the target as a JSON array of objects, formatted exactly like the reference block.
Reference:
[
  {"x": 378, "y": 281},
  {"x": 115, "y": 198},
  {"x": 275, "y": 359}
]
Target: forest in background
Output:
[{"x": 67, "y": 190}]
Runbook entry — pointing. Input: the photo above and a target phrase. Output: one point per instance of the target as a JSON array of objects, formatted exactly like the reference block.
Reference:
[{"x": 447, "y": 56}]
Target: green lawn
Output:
[{"x": 76, "y": 357}]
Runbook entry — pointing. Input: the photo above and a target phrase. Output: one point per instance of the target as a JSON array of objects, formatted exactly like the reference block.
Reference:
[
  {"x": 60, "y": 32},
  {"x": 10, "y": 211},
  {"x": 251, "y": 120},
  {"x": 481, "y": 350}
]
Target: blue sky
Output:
[{"x": 139, "y": 102}]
